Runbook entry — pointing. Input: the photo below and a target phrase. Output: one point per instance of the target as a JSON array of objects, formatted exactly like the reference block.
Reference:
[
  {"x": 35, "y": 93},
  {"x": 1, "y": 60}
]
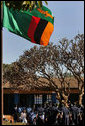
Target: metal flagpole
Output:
[
  {"x": 2, "y": 81},
  {"x": 1, "y": 65}
]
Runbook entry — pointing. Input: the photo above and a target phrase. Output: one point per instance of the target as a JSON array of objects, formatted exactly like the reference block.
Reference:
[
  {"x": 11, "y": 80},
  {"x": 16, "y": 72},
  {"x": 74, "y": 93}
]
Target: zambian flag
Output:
[{"x": 35, "y": 26}]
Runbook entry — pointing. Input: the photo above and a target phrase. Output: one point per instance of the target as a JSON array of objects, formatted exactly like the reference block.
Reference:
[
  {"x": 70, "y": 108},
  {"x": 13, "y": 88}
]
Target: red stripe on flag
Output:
[{"x": 32, "y": 27}]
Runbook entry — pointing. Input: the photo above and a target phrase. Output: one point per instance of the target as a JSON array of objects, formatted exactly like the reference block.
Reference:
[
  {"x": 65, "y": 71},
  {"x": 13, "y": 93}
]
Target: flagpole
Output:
[
  {"x": 1, "y": 66},
  {"x": 2, "y": 82}
]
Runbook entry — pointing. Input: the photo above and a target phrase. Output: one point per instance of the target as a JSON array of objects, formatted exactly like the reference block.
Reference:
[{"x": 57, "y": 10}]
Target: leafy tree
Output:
[
  {"x": 39, "y": 62},
  {"x": 6, "y": 72},
  {"x": 52, "y": 61},
  {"x": 72, "y": 56}
]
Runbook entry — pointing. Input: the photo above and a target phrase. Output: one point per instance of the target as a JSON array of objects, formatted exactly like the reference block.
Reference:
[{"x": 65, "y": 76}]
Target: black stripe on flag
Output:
[{"x": 39, "y": 30}]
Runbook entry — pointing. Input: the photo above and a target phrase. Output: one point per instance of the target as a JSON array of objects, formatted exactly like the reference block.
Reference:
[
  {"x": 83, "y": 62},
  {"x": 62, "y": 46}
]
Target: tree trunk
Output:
[
  {"x": 65, "y": 97},
  {"x": 58, "y": 97},
  {"x": 80, "y": 96}
]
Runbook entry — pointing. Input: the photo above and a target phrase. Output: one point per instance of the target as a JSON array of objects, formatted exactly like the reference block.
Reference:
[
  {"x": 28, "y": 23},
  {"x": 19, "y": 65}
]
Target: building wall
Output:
[
  {"x": 24, "y": 100},
  {"x": 8, "y": 103},
  {"x": 74, "y": 97}
]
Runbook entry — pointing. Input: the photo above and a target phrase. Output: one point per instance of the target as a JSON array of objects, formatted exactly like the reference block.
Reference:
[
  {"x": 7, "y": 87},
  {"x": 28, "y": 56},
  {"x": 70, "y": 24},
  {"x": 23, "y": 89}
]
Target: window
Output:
[
  {"x": 49, "y": 98},
  {"x": 37, "y": 99}
]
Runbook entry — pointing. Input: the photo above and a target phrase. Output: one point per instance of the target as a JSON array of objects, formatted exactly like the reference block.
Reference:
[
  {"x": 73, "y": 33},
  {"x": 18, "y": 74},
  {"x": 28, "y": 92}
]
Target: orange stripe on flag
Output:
[{"x": 46, "y": 34}]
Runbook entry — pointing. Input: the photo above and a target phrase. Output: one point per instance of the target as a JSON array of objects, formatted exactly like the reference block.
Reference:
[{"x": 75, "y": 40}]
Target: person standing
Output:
[
  {"x": 15, "y": 112},
  {"x": 39, "y": 121},
  {"x": 23, "y": 117},
  {"x": 74, "y": 110},
  {"x": 65, "y": 112}
]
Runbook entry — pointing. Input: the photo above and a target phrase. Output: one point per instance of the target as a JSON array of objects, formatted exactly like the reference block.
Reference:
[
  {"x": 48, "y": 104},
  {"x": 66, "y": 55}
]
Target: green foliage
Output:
[{"x": 24, "y": 5}]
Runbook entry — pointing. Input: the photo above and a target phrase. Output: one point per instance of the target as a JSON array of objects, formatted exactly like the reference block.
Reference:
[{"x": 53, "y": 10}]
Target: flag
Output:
[{"x": 35, "y": 26}]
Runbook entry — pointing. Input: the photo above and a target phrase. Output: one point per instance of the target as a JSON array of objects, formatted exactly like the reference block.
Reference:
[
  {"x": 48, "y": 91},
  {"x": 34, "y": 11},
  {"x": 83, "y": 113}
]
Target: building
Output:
[{"x": 34, "y": 94}]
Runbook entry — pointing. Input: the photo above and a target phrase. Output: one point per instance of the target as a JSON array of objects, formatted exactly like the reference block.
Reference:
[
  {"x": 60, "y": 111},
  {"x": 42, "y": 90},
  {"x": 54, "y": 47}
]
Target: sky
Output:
[{"x": 68, "y": 22}]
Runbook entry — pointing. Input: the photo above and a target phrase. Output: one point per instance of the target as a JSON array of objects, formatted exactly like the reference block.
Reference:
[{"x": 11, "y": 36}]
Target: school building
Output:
[{"x": 31, "y": 94}]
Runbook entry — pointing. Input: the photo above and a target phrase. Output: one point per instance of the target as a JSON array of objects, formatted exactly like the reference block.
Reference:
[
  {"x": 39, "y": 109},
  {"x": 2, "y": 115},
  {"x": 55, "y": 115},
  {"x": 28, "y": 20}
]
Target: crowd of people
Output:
[{"x": 50, "y": 114}]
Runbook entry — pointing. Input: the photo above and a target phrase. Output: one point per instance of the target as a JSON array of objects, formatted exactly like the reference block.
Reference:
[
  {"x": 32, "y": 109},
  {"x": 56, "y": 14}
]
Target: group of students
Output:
[{"x": 50, "y": 114}]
